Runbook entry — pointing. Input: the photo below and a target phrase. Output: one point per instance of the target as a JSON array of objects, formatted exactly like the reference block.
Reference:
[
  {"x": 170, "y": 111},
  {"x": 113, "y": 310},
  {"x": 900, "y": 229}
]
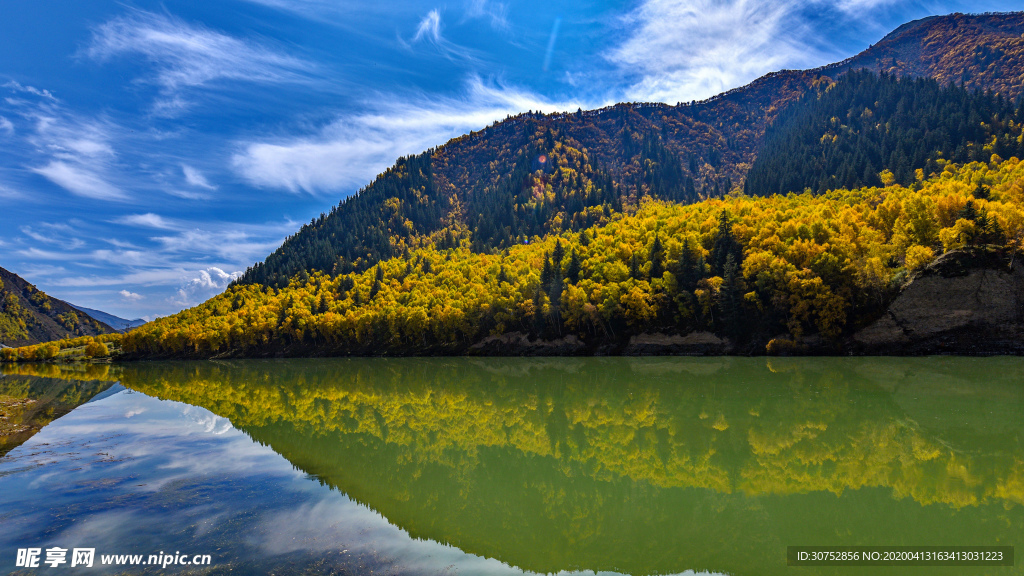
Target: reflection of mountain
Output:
[
  {"x": 28, "y": 403},
  {"x": 642, "y": 466}
]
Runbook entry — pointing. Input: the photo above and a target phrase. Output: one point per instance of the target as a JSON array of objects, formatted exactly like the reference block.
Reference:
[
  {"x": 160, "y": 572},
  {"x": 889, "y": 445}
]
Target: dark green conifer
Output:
[
  {"x": 573, "y": 272},
  {"x": 634, "y": 267},
  {"x": 655, "y": 257}
]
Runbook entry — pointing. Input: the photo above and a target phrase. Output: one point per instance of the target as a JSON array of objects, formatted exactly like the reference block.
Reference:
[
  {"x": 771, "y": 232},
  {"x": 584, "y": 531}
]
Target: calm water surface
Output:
[{"x": 506, "y": 466}]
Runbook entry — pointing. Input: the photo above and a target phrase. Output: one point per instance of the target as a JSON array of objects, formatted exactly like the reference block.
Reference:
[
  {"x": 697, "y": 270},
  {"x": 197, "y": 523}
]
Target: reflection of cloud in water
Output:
[
  {"x": 325, "y": 525},
  {"x": 211, "y": 423},
  {"x": 180, "y": 440},
  {"x": 134, "y": 474}
]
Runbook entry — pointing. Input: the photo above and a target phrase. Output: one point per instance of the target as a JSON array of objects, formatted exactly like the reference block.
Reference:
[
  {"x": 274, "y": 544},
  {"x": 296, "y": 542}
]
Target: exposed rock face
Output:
[
  {"x": 519, "y": 344},
  {"x": 693, "y": 344},
  {"x": 966, "y": 302}
]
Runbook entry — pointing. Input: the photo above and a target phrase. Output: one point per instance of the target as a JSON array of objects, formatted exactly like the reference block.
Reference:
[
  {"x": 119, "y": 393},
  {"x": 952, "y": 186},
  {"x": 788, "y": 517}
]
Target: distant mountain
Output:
[
  {"x": 536, "y": 174},
  {"x": 29, "y": 316},
  {"x": 115, "y": 322}
]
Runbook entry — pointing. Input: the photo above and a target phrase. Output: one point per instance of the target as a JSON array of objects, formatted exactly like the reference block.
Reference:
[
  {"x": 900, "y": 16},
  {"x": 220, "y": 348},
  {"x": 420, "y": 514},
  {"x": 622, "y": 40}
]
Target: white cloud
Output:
[
  {"x": 17, "y": 87},
  {"x": 78, "y": 153},
  {"x": 429, "y": 31},
  {"x": 429, "y": 27},
  {"x": 6, "y": 126},
  {"x": 677, "y": 51},
  {"x": 7, "y": 193},
  {"x": 206, "y": 284},
  {"x": 196, "y": 178},
  {"x": 188, "y": 194},
  {"x": 350, "y": 151},
  {"x": 130, "y": 296},
  {"x": 147, "y": 220},
  {"x": 171, "y": 262},
  {"x": 185, "y": 55},
  {"x": 496, "y": 12},
  {"x": 54, "y": 236},
  {"x": 240, "y": 244},
  {"x": 80, "y": 181},
  {"x": 681, "y": 51}
]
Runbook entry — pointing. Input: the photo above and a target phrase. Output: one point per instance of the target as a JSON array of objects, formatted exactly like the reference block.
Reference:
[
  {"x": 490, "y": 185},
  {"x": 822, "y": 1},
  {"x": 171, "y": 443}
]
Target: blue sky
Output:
[{"x": 150, "y": 151}]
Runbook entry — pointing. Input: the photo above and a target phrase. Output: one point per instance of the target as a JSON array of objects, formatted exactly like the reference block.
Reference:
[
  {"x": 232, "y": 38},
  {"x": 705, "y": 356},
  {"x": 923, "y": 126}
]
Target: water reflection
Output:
[
  {"x": 640, "y": 466},
  {"x": 33, "y": 396},
  {"x": 643, "y": 466},
  {"x": 132, "y": 474}
]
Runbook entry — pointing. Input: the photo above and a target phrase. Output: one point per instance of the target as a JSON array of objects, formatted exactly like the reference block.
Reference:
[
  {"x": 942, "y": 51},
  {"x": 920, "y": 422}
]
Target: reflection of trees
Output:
[
  {"x": 606, "y": 464},
  {"x": 77, "y": 371},
  {"x": 28, "y": 403}
]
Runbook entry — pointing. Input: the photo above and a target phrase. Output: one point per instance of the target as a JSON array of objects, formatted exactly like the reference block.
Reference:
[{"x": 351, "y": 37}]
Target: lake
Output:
[{"x": 509, "y": 466}]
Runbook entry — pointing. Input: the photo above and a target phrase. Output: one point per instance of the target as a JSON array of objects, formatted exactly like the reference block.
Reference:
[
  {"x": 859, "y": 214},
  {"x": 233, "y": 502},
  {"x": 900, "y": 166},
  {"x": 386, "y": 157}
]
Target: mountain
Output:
[
  {"x": 29, "y": 316},
  {"x": 115, "y": 322},
  {"x": 870, "y": 196},
  {"x": 536, "y": 174},
  {"x": 845, "y": 136},
  {"x": 979, "y": 52},
  {"x": 747, "y": 274}
]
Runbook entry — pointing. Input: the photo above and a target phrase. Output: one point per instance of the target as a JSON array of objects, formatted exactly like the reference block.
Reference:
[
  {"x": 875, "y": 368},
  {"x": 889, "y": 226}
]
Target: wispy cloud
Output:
[
  {"x": 549, "y": 52},
  {"x": 73, "y": 152},
  {"x": 6, "y": 126},
  {"x": 238, "y": 244},
  {"x": 681, "y": 51},
  {"x": 147, "y": 220},
  {"x": 495, "y": 12},
  {"x": 195, "y": 178},
  {"x": 57, "y": 234},
  {"x": 190, "y": 258},
  {"x": 18, "y": 87},
  {"x": 7, "y": 193},
  {"x": 187, "y": 56},
  {"x": 429, "y": 31},
  {"x": 429, "y": 27},
  {"x": 80, "y": 181},
  {"x": 351, "y": 150}
]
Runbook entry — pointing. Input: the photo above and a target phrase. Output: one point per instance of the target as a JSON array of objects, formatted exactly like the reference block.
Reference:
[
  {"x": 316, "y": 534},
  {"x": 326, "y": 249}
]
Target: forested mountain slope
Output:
[
  {"x": 979, "y": 52},
  {"x": 761, "y": 272},
  {"x": 869, "y": 130},
  {"x": 764, "y": 272},
  {"x": 536, "y": 174},
  {"x": 29, "y": 316}
]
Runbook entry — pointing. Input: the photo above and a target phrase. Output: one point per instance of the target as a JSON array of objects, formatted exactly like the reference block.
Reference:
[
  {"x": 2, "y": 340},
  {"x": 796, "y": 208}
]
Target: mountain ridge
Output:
[
  {"x": 116, "y": 322},
  {"x": 481, "y": 186},
  {"x": 30, "y": 316}
]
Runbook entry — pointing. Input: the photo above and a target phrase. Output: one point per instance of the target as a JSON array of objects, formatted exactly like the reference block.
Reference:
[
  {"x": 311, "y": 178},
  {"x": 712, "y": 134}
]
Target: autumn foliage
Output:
[{"x": 746, "y": 267}]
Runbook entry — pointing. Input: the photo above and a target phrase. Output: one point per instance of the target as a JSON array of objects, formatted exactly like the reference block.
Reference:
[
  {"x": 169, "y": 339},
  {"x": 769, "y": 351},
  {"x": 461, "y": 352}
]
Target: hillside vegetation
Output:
[
  {"x": 537, "y": 174},
  {"x": 29, "y": 316},
  {"x": 759, "y": 270},
  {"x": 868, "y": 130},
  {"x": 746, "y": 267}
]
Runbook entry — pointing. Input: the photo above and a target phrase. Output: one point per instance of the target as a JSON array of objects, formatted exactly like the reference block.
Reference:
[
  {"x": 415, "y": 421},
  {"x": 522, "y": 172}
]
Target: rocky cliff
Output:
[{"x": 966, "y": 302}]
